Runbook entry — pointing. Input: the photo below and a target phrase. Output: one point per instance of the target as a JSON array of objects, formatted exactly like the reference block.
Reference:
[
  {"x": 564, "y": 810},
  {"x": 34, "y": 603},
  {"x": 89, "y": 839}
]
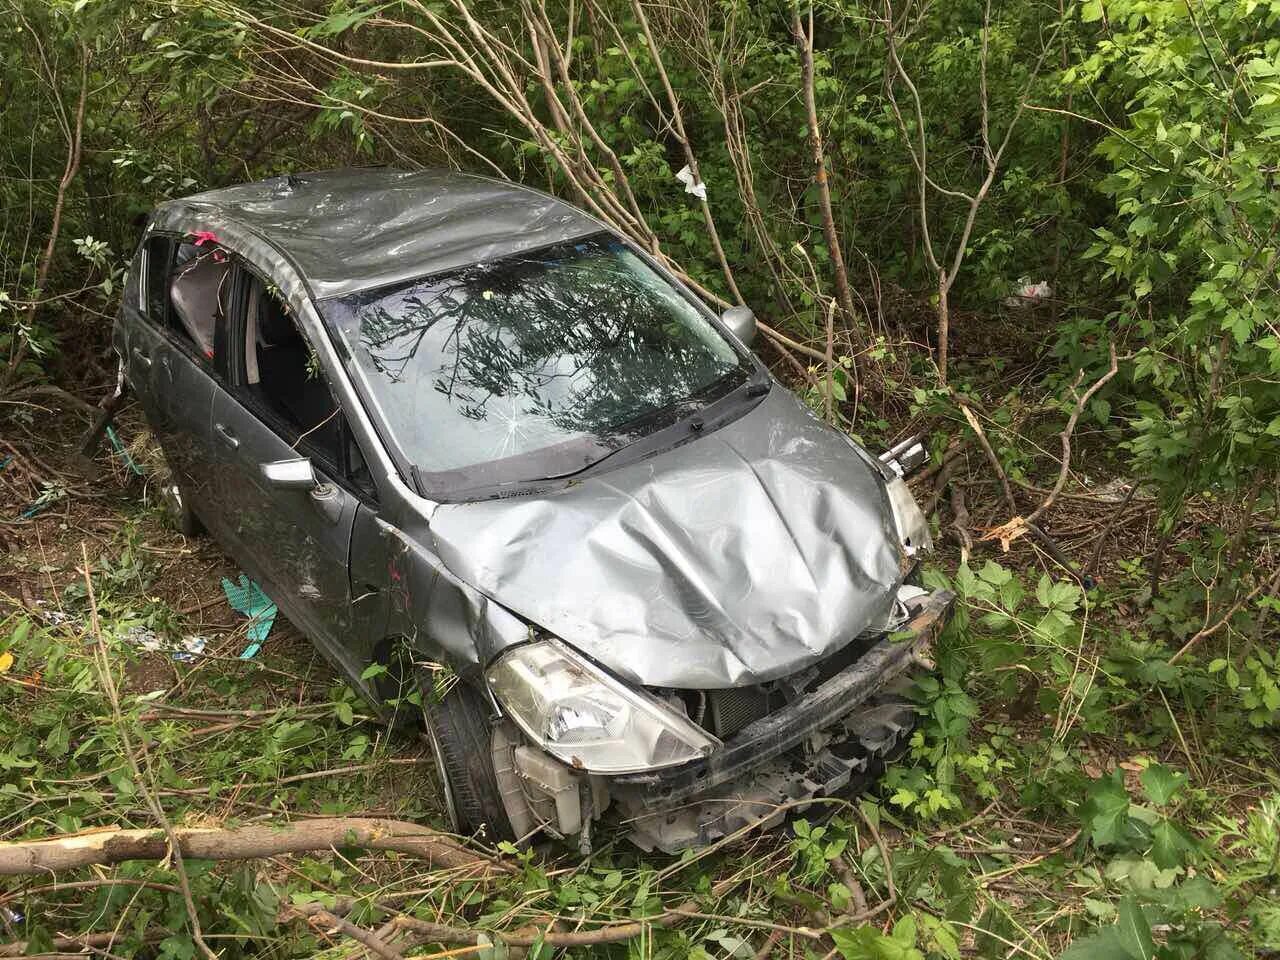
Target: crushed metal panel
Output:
[
  {"x": 356, "y": 229},
  {"x": 445, "y": 619},
  {"x": 743, "y": 556}
]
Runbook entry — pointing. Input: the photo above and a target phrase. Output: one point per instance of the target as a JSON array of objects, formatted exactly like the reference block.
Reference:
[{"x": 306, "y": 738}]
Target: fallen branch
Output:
[
  {"x": 442, "y": 933},
  {"x": 317, "y": 915},
  {"x": 976, "y": 425},
  {"x": 240, "y": 843},
  {"x": 1017, "y": 525},
  {"x": 782, "y": 338},
  {"x": 526, "y": 936},
  {"x": 77, "y": 944}
]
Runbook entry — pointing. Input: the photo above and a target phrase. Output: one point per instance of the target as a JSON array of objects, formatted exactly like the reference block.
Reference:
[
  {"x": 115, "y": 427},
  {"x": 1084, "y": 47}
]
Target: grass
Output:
[{"x": 1067, "y": 784}]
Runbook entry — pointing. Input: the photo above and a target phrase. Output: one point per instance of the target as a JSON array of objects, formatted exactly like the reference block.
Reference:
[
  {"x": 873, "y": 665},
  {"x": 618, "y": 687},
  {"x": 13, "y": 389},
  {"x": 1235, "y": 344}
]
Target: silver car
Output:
[{"x": 480, "y": 447}]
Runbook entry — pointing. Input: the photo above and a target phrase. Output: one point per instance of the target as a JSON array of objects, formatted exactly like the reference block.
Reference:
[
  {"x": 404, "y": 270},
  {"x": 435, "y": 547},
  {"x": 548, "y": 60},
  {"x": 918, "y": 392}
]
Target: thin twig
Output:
[
  {"x": 109, "y": 685},
  {"x": 1065, "y": 467},
  {"x": 1209, "y": 631}
]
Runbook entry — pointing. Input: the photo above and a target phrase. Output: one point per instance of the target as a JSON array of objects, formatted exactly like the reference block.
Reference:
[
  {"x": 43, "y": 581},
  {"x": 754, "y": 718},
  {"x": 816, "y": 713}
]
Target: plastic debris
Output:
[
  {"x": 184, "y": 651},
  {"x": 121, "y": 449},
  {"x": 55, "y": 618},
  {"x": 144, "y": 638},
  {"x": 1028, "y": 294},
  {"x": 248, "y": 598},
  {"x": 192, "y": 646},
  {"x": 698, "y": 188}
]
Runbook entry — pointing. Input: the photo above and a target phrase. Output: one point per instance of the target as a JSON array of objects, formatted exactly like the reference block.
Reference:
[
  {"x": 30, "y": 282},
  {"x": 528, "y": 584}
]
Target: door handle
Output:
[
  {"x": 142, "y": 357},
  {"x": 227, "y": 435}
]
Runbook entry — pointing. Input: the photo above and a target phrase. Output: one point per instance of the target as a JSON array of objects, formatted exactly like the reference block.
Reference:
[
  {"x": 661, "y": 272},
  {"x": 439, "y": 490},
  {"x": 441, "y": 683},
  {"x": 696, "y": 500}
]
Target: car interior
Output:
[
  {"x": 281, "y": 373},
  {"x": 198, "y": 293}
]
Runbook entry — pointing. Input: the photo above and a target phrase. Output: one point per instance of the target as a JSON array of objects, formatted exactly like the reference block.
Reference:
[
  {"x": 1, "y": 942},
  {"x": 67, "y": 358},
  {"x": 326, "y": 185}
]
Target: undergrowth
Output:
[{"x": 1068, "y": 787}]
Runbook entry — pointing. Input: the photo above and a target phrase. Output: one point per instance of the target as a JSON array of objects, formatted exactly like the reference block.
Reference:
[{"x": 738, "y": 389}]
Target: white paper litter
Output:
[{"x": 698, "y": 189}]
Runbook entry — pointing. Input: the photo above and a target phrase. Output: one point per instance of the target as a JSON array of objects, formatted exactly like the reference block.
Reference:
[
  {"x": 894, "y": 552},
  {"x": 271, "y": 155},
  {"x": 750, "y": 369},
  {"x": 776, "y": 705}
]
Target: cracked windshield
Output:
[{"x": 533, "y": 366}]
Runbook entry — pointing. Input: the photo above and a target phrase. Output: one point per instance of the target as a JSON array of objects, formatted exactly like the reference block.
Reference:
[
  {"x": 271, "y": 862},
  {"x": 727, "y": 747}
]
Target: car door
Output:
[
  {"x": 292, "y": 530},
  {"x": 176, "y": 355}
]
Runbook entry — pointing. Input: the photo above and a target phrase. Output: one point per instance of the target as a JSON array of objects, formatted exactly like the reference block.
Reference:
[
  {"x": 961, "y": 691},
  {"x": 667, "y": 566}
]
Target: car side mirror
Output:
[
  {"x": 742, "y": 321},
  {"x": 289, "y": 474}
]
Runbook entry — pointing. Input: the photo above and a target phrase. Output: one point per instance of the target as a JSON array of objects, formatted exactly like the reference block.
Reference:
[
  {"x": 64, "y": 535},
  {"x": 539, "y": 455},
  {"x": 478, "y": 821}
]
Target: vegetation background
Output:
[{"x": 1044, "y": 235}]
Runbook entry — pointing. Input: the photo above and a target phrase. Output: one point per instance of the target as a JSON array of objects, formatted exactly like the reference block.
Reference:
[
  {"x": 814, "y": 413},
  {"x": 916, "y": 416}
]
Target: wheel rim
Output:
[{"x": 446, "y": 788}]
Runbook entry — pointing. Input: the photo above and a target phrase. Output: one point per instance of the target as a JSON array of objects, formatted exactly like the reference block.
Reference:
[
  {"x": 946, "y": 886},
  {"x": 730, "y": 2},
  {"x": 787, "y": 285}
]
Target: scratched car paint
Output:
[{"x": 501, "y": 464}]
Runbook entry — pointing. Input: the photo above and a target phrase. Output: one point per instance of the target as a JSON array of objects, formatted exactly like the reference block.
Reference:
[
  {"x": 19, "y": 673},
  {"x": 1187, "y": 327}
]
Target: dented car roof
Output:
[{"x": 361, "y": 228}]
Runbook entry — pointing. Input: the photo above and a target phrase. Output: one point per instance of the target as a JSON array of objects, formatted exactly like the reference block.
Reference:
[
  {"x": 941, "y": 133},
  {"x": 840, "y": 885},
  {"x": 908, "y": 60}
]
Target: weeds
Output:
[{"x": 1058, "y": 792}]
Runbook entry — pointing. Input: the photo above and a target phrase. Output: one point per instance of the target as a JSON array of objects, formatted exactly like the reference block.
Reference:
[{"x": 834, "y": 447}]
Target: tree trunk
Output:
[
  {"x": 944, "y": 324},
  {"x": 843, "y": 293}
]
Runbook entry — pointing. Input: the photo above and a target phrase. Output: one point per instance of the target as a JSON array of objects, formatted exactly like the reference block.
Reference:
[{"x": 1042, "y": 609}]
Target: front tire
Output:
[{"x": 460, "y": 735}]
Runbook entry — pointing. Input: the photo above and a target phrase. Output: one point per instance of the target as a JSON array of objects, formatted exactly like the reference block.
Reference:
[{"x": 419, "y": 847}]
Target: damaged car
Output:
[{"x": 472, "y": 440}]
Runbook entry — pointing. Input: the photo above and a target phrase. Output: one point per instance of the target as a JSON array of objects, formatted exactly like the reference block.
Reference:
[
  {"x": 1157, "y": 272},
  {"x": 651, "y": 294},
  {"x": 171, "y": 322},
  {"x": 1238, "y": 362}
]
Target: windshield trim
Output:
[{"x": 726, "y": 402}]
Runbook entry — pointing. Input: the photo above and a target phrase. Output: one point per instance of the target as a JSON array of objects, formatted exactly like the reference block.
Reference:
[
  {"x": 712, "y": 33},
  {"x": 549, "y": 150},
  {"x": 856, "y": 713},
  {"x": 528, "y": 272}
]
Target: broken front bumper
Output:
[{"x": 839, "y": 732}]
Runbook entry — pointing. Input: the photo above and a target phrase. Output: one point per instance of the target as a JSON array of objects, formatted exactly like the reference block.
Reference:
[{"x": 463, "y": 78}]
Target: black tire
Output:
[{"x": 460, "y": 734}]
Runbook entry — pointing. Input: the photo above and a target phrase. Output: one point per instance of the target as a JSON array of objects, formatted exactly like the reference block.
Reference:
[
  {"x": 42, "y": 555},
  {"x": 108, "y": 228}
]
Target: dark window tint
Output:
[
  {"x": 282, "y": 375},
  {"x": 154, "y": 293}
]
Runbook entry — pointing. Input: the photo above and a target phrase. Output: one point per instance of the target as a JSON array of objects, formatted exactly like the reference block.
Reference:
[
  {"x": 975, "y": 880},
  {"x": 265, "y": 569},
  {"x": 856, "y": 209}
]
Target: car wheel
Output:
[
  {"x": 460, "y": 735},
  {"x": 179, "y": 506}
]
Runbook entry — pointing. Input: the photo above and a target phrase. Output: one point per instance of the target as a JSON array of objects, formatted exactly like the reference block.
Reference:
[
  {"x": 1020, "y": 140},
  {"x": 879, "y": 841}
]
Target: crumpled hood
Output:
[{"x": 745, "y": 555}]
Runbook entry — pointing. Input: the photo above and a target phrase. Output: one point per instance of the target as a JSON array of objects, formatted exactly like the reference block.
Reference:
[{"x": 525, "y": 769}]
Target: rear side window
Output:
[
  {"x": 154, "y": 296},
  {"x": 199, "y": 292}
]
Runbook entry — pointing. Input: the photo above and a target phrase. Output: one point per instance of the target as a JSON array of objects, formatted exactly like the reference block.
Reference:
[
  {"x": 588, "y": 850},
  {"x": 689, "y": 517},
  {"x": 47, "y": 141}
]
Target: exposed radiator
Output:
[{"x": 728, "y": 711}]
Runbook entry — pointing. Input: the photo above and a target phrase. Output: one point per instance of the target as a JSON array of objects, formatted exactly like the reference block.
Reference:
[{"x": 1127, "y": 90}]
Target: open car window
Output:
[
  {"x": 533, "y": 366},
  {"x": 199, "y": 291},
  {"x": 281, "y": 379}
]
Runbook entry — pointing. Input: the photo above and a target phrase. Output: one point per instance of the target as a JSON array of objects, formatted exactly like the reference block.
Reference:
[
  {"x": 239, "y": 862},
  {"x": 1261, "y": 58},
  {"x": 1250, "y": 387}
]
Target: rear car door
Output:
[
  {"x": 295, "y": 539},
  {"x": 176, "y": 354}
]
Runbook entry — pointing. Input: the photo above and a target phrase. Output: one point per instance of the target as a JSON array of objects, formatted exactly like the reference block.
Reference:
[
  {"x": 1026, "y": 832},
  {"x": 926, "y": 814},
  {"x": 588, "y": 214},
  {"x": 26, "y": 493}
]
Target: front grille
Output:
[{"x": 728, "y": 711}]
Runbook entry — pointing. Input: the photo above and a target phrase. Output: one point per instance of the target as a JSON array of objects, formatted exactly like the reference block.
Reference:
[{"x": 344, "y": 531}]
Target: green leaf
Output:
[
  {"x": 1135, "y": 930},
  {"x": 995, "y": 574},
  {"x": 868, "y": 943},
  {"x": 1128, "y": 939},
  {"x": 1103, "y": 945},
  {"x": 1091, "y": 11},
  {"x": 1170, "y": 845},
  {"x": 373, "y": 670},
  {"x": 1105, "y": 812},
  {"x": 1044, "y": 591},
  {"x": 1162, "y": 783},
  {"x": 343, "y": 709}
]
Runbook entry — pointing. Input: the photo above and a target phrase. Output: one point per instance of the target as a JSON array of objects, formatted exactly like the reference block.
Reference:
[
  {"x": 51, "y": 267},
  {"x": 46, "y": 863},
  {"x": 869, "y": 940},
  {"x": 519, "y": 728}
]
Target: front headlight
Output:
[{"x": 584, "y": 717}]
